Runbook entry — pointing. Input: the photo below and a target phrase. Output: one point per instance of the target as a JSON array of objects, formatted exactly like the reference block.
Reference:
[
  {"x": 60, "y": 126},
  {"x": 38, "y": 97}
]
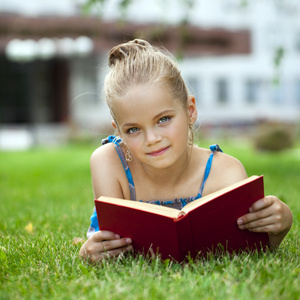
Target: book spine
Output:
[{"x": 184, "y": 237}]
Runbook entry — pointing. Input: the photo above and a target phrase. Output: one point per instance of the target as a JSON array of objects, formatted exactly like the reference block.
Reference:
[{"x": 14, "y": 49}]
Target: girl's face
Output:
[{"x": 154, "y": 125}]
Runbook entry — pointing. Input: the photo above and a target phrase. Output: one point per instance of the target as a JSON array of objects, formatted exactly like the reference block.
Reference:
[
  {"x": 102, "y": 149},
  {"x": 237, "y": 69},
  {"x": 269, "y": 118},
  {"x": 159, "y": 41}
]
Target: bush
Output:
[{"x": 274, "y": 137}]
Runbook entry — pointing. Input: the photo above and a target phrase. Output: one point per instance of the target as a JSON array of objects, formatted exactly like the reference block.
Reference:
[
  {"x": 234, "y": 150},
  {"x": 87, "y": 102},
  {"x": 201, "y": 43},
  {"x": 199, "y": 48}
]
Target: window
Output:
[
  {"x": 222, "y": 91},
  {"x": 253, "y": 90},
  {"x": 34, "y": 91},
  {"x": 297, "y": 41},
  {"x": 297, "y": 92},
  {"x": 276, "y": 93},
  {"x": 15, "y": 92}
]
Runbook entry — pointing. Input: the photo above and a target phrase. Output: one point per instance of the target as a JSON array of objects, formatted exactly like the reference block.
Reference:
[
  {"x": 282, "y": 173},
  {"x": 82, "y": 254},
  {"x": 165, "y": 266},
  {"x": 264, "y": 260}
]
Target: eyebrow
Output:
[
  {"x": 155, "y": 117},
  {"x": 163, "y": 113}
]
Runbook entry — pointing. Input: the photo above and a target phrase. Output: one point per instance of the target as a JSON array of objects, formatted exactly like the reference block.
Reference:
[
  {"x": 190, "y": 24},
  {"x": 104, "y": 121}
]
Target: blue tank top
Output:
[{"x": 177, "y": 203}]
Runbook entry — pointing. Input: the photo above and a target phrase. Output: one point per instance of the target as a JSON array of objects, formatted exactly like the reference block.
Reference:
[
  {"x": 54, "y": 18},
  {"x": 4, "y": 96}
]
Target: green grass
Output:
[{"x": 52, "y": 190}]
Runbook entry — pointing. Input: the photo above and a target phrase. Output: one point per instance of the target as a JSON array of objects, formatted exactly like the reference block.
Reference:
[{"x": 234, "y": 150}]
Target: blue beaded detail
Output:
[{"x": 215, "y": 147}]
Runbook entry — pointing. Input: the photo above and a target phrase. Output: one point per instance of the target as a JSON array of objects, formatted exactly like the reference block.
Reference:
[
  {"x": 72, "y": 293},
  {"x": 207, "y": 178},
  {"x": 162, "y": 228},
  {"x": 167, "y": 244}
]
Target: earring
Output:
[
  {"x": 128, "y": 155},
  {"x": 191, "y": 135}
]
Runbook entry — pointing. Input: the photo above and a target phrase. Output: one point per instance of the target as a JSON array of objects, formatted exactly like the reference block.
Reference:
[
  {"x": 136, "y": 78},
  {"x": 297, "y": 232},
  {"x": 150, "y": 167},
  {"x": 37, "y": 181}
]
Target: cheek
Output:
[
  {"x": 180, "y": 132},
  {"x": 134, "y": 144}
]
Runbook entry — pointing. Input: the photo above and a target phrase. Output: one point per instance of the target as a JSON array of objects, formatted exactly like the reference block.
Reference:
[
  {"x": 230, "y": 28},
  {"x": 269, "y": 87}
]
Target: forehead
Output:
[{"x": 143, "y": 102}]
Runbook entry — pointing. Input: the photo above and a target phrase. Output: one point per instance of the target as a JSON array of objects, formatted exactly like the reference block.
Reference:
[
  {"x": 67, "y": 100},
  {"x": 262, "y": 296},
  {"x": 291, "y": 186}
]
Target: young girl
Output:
[{"x": 154, "y": 159}]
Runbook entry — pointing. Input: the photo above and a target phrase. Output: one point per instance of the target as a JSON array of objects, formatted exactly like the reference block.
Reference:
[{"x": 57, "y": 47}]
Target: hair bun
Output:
[
  {"x": 116, "y": 53},
  {"x": 122, "y": 51},
  {"x": 141, "y": 42}
]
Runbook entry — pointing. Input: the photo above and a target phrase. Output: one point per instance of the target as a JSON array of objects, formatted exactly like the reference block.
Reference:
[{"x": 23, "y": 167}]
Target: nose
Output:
[{"x": 152, "y": 137}]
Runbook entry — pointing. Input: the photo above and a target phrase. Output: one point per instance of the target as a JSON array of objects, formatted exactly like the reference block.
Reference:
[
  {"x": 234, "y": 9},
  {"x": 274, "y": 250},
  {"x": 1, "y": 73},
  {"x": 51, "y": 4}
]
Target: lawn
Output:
[{"x": 46, "y": 201}]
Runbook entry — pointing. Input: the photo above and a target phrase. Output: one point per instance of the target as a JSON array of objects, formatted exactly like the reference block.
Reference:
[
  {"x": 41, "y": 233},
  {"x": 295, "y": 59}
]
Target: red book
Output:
[{"x": 204, "y": 225}]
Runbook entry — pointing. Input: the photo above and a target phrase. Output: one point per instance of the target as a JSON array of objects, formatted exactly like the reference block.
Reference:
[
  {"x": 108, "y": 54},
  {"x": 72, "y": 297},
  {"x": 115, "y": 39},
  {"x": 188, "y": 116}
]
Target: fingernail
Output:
[
  {"x": 128, "y": 241},
  {"x": 117, "y": 236},
  {"x": 240, "y": 221}
]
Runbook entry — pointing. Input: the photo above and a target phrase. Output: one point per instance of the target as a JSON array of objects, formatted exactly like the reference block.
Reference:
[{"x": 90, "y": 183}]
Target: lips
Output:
[{"x": 159, "y": 151}]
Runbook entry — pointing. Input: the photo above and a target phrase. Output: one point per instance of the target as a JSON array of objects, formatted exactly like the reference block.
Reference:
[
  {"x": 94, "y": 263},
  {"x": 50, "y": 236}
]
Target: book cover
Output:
[{"x": 204, "y": 225}]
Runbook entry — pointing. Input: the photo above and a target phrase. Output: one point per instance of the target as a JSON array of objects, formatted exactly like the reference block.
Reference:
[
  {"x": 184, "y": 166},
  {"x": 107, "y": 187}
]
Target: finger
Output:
[
  {"x": 250, "y": 217},
  {"x": 266, "y": 229},
  {"x": 116, "y": 252},
  {"x": 111, "y": 253},
  {"x": 114, "y": 244},
  {"x": 104, "y": 235},
  {"x": 91, "y": 249},
  {"x": 262, "y": 203},
  {"x": 259, "y": 223}
]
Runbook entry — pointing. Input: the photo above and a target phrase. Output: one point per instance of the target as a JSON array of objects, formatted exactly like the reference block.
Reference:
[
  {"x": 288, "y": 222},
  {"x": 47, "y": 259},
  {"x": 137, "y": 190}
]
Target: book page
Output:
[
  {"x": 172, "y": 212},
  {"x": 152, "y": 208},
  {"x": 205, "y": 199}
]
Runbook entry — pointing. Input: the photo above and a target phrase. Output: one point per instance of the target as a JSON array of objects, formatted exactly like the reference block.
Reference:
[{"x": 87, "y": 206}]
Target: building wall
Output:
[
  {"x": 228, "y": 89},
  {"x": 88, "y": 109},
  {"x": 240, "y": 87}
]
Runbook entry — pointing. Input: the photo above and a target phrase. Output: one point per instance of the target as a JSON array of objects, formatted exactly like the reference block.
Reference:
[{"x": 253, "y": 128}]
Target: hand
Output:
[
  {"x": 103, "y": 244},
  {"x": 268, "y": 215}
]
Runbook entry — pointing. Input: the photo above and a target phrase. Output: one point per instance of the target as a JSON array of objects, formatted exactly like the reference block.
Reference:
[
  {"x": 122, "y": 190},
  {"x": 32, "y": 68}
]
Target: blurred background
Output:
[{"x": 241, "y": 60}]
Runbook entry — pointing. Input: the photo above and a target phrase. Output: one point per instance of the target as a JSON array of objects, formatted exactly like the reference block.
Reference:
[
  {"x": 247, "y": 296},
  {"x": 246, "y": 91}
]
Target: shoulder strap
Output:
[
  {"x": 213, "y": 149},
  {"x": 116, "y": 141}
]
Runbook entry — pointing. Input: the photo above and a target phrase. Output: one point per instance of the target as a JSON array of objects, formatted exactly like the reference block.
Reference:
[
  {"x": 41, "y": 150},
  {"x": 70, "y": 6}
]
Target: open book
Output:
[{"x": 204, "y": 225}]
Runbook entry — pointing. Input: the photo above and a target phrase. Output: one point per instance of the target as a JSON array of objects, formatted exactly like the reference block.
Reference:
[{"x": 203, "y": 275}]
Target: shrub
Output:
[{"x": 274, "y": 137}]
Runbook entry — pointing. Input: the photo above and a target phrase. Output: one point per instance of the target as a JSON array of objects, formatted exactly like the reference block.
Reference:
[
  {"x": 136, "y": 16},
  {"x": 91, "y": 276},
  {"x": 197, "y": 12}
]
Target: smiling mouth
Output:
[{"x": 159, "y": 151}]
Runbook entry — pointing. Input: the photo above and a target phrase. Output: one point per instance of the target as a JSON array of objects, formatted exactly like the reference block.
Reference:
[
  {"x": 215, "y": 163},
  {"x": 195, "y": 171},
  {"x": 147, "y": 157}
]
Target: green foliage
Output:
[
  {"x": 51, "y": 189},
  {"x": 90, "y": 4},
  {"x": 279, "y": 54}
]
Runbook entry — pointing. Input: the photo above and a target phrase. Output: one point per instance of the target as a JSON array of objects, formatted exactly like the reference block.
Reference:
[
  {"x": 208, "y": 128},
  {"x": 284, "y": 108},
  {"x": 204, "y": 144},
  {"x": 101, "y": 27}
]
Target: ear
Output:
[
  {"x": 192, "y": 109},
  {"x": 115, "y": 126}
]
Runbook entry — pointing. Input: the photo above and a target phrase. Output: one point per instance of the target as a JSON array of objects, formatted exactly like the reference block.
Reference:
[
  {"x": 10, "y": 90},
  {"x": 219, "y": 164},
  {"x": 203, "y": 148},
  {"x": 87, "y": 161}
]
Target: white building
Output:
[
  {"x": 250, "y": 87},
  {"x": 243, "y": 87},
  {"x": 229, "y": 88}
]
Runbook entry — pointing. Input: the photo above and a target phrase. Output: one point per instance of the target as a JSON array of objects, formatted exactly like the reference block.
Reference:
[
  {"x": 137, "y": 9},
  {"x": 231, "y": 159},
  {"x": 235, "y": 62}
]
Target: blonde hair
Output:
[{"x": 138, "y": 63}]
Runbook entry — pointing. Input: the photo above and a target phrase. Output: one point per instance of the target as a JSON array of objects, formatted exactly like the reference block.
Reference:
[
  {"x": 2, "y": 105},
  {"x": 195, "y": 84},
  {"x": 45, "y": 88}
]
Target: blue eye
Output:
[
  {"x": 164, "y": 120},
  {"x": 132, "y": 130}
]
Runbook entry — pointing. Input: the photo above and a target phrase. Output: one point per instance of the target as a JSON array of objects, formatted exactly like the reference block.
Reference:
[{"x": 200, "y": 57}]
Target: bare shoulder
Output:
[
  {"x": 107, "y": 172},
  {"x": 104, "y": 155},
  {"x": 228, "y": 163},
  {"x": 225, "y": 170}
]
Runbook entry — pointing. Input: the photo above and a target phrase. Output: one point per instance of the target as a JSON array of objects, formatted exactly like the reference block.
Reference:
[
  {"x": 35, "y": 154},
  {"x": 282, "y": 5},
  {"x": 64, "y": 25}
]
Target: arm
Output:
[
  {"x": 105, "y": 167},
  {"x": 268, "y": 215}
]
